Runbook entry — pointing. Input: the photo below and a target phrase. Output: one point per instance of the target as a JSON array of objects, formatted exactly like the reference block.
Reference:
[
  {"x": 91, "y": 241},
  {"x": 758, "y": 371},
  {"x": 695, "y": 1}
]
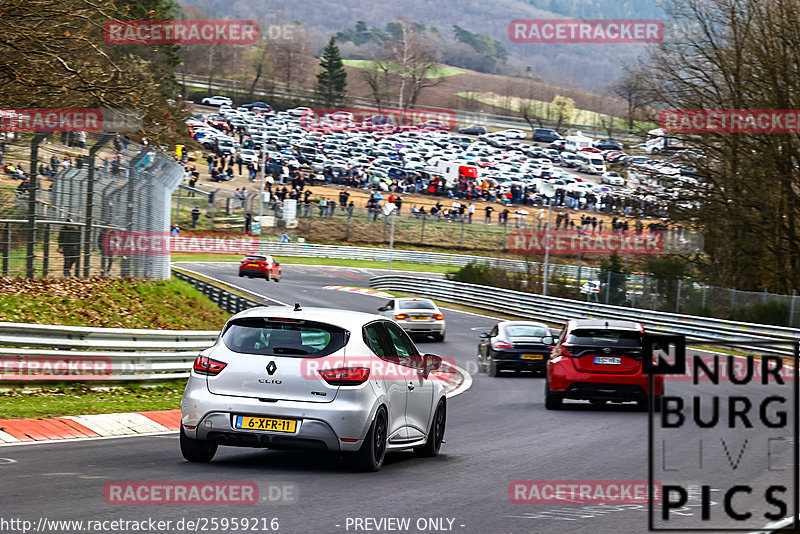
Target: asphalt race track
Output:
[{"x": 497, "y": 432}]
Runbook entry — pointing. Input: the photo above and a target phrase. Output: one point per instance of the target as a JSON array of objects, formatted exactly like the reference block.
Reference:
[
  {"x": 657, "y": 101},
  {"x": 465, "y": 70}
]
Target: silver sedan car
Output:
[
  {"x": 317, "y": 378},
  {"x": 416, "y": 316}
]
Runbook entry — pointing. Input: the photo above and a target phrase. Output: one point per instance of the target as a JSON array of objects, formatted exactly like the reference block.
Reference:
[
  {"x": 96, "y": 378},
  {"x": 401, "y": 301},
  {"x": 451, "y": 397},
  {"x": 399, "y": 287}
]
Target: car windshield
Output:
[
  {"x": 604, "y": 337},
  {"x": 416, "y": 305},
  {"x": 268, "y": 337},
  {"x": 526, "y": 331},
  {"x": 255, "y": 258}
]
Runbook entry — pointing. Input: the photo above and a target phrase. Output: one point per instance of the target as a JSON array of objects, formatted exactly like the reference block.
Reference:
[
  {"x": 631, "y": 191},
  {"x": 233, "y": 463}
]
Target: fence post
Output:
[
  {"x": 46, "y": 251},
  {"x": 422, "y": 235},
  {"x": 733, "y": 298},
  {"x": 678, "y": 297},
  {"x": 87, "y": 241},
  {"x": 705, "y": 288},
  {"x": 462, "y": 233},
  {"x": 764, "y": 300},
  {"x": 608, "y": 287},
  {"x": 32, "y": 186},
  {"x": 6, "y": 247},
  {"x": 791, "y": 309},
  {"x": 347, "y": 227}
]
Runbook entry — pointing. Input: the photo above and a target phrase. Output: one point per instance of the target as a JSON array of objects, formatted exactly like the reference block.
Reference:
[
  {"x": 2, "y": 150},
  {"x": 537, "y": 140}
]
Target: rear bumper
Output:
[
  {"x": 413, "y": 327},
  {"x": 564, "y": 380},
  {"x": 322, "y": 425},
  {"x": 513, "y": 360},
  {"x": 254, "y": 272}
]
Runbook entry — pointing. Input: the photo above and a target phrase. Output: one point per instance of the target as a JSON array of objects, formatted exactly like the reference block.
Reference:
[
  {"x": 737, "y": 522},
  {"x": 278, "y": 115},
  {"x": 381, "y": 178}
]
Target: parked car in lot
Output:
[
  {"x": 545, "y": 135},
  {"x": 255, "y": 266},
  {"x": 608, "y": 144},
  {"x": 277, "y": 378},
  {"x": 472, "y": 129},
  {"x": 416, "y": 316},
  {"x": 514, "y": 345},
  {"x": 600, "y": 361},
  {"x": 612, "y": 178},
  {"x": 513, "y": 133},
  {"x": 569, "y": 159},
  {"x": 217, "y": 101}
]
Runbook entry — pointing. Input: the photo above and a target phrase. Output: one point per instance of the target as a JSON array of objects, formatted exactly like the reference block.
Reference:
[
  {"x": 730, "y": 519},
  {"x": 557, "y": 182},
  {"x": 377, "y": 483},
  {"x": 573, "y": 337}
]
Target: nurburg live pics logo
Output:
[{"x": 729, "y": 433}]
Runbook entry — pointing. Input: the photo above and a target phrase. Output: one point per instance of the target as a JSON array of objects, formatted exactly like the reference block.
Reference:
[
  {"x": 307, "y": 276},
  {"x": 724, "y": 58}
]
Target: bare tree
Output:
[{"x": 414, "y": 62}]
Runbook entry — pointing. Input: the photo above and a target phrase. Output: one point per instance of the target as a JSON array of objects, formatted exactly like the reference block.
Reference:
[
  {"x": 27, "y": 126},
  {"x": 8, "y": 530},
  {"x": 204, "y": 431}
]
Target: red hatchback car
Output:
[
  {"x": 600, "y": 361},
  {"x": 260, "y": 267}
]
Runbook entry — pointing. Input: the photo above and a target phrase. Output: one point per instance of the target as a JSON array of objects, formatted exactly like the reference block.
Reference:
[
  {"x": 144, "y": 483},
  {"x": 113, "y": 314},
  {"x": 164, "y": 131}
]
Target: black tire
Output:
[
  {"x": 552, "y": 400},
  {"x": 481, "y": 365},
  {"x": 438, "y": 337},
  {"x": 241, "y": 275},
  {"x": 435, "y": 434},
  {"x": 277, "y": 279},
  {"x": 492, "y": 369},
  {"x": 372, "y": 452},
  {"x": 197, "y": 450}
]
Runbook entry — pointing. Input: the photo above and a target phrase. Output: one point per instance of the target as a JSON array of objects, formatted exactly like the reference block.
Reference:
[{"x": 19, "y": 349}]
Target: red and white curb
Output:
[
  {"x": 21, "y": 431},
  {"x": 362, "y": 291},
  {"x": 111, "y": 425}
]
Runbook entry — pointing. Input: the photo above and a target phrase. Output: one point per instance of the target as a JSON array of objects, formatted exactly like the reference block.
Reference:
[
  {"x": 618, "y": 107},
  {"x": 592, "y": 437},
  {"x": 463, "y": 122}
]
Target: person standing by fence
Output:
[{"x": 69, "y": 240}]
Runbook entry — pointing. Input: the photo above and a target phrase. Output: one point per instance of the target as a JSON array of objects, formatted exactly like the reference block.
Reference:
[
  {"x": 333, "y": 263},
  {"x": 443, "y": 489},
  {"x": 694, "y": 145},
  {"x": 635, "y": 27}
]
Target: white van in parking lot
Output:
[{"x": 591, "y": 163}]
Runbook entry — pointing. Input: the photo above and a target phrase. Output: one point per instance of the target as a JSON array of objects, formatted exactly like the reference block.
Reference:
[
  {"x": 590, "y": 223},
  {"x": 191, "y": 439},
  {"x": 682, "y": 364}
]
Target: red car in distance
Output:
[{"x": 256, "y": 266}]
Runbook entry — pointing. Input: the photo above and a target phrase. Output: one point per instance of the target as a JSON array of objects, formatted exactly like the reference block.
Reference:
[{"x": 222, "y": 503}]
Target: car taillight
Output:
[
  {"x": 501, "y": 345},
  {"x": 566, "y": 350},
  {"x": 401, "y": 316},
  {"x": 206, "y": 366},
  {"x": 438, "y": 316},
  {"x": 347, "y": 376}
]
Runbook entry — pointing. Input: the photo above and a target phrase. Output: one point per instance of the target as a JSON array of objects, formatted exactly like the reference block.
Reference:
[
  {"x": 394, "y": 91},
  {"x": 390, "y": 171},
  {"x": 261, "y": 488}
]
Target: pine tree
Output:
[{"x": 332, "y": 81}]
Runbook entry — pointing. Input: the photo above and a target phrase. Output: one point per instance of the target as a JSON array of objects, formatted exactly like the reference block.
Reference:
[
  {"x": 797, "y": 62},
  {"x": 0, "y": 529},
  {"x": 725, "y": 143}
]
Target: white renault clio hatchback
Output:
[{"x": 317, "y": 378}]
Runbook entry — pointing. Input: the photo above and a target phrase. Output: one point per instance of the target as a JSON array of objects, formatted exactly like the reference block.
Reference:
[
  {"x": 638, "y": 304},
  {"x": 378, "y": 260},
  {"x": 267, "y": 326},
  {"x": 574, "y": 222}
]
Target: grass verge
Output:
[
  {"x": 77, "y": 399},
  {"x": 104, "y": 302},
  {"x": 291, "y": 260}
]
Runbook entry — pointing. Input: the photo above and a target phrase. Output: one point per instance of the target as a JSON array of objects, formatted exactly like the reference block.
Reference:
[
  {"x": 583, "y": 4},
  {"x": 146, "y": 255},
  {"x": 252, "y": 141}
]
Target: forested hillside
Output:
[{"x": 590, "y": 66}]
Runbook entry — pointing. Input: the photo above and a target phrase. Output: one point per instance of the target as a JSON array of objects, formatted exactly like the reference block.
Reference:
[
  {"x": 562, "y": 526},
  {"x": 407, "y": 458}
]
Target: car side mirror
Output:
[
  {"x": 547, "y": 340},
  {"x": 382, "y": 308},
  {"x": 432, "y": 363},
  {"x": 483, "y": 335},
  {"x": 277, "y": 264}
]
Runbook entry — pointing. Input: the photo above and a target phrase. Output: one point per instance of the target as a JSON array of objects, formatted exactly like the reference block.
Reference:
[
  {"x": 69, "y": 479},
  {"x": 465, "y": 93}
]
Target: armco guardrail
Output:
[
  {"x": 34, "y": 352},
  {"x": 558, "y": 310},
  {"x": 38, "y": 353},
  {"x": 226, "y": 300},
  {"x": 307, "y": 250}
]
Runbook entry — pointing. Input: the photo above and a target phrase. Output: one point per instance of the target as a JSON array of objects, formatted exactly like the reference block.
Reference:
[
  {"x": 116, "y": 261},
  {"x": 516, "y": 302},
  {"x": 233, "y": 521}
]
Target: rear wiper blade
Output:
[{"x": 290, "y": 350}]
